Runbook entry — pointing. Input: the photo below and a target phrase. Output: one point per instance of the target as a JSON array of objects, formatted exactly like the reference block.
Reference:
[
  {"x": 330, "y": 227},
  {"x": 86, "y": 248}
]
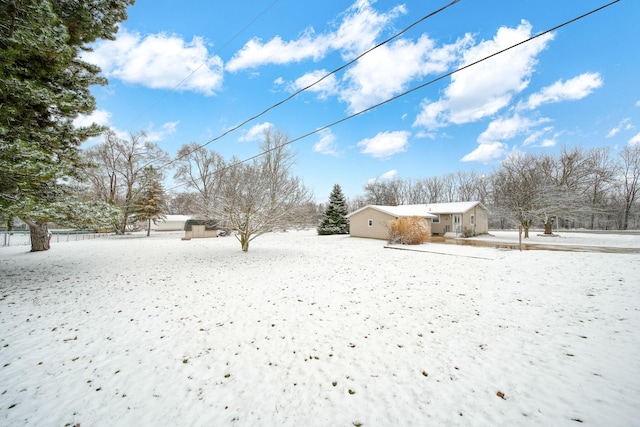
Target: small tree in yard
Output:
[
  {"x": 262, "y": 196},
  {"x": 409, "y": 231},
  {"x": 334, "y": 220},
  {"x": 151, "y": 204}
]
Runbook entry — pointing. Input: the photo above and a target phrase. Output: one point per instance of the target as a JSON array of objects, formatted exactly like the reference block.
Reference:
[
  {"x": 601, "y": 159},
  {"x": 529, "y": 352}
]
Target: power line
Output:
[
  {"x": 430, "y": 82},
  {"x": 298, "y": 92}
]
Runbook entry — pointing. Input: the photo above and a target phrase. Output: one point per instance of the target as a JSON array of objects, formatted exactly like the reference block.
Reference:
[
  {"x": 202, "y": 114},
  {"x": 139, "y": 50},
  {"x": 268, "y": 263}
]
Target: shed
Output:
[{"x": 201, "y": 228}]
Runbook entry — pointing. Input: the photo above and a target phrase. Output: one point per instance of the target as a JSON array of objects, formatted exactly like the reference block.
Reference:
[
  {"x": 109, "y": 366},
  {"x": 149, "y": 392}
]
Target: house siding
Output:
[
  {"x": 359, "y": 224},
  {"x": 381, "y": 215}
]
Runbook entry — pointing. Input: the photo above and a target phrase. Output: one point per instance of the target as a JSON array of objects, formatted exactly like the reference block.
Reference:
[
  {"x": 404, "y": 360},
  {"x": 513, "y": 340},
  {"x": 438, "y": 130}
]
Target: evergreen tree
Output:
[
  {"x": 44, "y": 86},
  {"x": 334, "y": 219},
  {"x": 151, "y": 204}
]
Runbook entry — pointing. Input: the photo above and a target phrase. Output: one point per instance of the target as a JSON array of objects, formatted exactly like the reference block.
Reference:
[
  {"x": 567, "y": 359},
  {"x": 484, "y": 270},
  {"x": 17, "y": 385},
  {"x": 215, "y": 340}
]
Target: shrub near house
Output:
[{"x": 409, "y": 230}]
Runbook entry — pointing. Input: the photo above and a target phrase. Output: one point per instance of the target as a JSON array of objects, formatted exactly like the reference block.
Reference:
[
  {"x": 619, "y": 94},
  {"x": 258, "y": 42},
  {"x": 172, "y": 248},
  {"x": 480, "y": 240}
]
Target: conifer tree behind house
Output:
[{"x": 334, "y": 219}]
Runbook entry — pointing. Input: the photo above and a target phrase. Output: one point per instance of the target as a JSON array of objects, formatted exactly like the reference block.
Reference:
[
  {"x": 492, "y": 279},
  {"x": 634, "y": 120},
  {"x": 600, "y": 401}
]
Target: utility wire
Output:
[
  {"x": 430, "y": 82},
  {"x": 298, "y": 92}
]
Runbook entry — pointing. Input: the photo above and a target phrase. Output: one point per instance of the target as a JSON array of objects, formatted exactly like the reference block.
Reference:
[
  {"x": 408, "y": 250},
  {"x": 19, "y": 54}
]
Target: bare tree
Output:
[
  {"x": 199, "y": 170},
  {"x": 118, "y": 166},
  {"x": 262, "y": 196},
  {"x": 182, "y": 203},
  {"x": 449, "y": 191},
  {"x": 599, "y": 180},
  {"x": 565, "y": 177},
  {"x": 435, "y": 189},
  {"x": 630, "y": 180},
  {"x": 520, "y": 189},
  {"x": 467, "y": 183}
]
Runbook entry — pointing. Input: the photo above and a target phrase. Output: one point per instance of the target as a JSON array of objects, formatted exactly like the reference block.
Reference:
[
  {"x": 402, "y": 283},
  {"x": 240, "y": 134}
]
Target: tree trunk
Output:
[
  {"x": 40, "y": 236},
  {"x": 148, "y": 226},
  {"x": 548, "y": 227},
  {"x": 244, "y": 241}
]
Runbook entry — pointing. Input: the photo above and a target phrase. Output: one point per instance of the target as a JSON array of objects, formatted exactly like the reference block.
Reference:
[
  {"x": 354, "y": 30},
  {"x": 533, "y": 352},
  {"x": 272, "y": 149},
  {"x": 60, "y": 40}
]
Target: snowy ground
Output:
[{"x": 318, "y": 330}]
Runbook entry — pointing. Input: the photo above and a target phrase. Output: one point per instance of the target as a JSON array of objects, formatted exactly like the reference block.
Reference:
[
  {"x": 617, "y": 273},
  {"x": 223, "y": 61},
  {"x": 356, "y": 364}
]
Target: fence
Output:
[{"x": 22, "y": 237}]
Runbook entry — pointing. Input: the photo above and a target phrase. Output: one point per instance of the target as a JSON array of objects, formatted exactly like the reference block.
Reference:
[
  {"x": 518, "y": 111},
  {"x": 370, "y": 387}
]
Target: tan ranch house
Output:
[{"x": 451, "y": 219}]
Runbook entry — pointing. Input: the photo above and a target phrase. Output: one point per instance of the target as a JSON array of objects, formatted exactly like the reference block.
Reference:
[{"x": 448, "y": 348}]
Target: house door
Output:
[{"x": 457, "y": 223}]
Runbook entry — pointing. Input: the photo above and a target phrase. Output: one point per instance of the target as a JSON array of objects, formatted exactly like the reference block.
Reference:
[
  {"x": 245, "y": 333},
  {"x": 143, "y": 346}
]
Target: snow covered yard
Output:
[{"x": 316, "y": 330}]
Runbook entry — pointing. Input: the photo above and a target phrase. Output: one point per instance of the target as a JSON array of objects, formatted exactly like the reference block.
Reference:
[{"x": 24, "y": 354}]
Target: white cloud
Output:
[
  {"x": 389, "y": 69},
  {"x": 159, "y": 61},
  {"x": 157, "y": 135},
  {"x": 485, "y": 153},
  {"x": 625, "y": 124},
  {"x": 635, "y": 140},
  {"x": 256, "y": 132},
  {"x": 326, "y": 144},
  {"x": 507, "y": 128},
  {"x": 548, "y": 142},
  {"x": 385, "y": 144},
  {"x": 536, "y": 136},
  {"x": 491, "y": 142},
  {"x": 573, "y": 89},
  {"x": 99, "y": 117},
  {"x": 483, "y": 89},
  {"x": 637, "y": 103},
  {"x": 360, "y": 26},
  {"x": 324, "y": 88},
  {"x": 389, "y": 175}
]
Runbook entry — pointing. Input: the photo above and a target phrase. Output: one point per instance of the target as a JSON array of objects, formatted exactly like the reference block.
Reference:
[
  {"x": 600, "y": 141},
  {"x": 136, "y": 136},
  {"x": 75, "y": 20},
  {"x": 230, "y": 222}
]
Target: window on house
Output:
[
  {"x": 473, "y": 219},
  {"x": 370, "y": 222},
  {"x": 436, "y": 220}
]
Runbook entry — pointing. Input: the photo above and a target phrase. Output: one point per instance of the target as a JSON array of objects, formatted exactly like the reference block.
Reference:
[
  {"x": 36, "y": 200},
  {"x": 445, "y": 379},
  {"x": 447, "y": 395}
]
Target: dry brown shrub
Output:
[{"x": 409, "y": 230}]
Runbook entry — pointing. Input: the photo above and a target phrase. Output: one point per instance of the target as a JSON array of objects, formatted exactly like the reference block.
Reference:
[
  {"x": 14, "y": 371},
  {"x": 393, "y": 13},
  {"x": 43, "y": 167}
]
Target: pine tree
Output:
[
  {"x": 44, "y": 86},
  {"x": 334, "y": 219},
  {"x": 151, "y": 204}
]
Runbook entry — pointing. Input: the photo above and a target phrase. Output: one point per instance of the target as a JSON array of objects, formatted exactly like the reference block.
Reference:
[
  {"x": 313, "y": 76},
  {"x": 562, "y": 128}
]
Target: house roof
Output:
[
  {"x": 454, "y": 207},
  {"x": 400, "y": 211},
  {"x": 431, "y": 210}
]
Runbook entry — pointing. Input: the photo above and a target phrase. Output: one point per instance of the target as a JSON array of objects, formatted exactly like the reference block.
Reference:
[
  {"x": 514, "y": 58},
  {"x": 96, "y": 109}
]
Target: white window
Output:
[
  {"x": 473, "y": 219},
  {"x": 436, "y": 220},
  {"x": 370, "y": 222}
]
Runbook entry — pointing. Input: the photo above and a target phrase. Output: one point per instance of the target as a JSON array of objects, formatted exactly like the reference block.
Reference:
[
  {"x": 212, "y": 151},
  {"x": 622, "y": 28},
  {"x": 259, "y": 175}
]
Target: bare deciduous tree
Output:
[
  {"x": 199, "y": 170},
  {"x": 262, "y": 196},
  {"x": 630, "y": 180},
  {"x": 520, "y": 189},
  {"x": 118, "y": 166}
]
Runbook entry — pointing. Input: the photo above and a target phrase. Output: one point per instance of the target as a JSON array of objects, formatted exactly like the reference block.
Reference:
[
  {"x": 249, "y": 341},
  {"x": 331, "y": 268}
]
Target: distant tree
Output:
[
  {"x": 151, "y": 203},
  {"x": 262, "y": 196},
  {"x": 183, "y": 203},
  {"x": 520, "y": 189},
  {"x": 334, "y": 219},
  {"x": 44, "y": 86},
  {"x": 599, "y": 182},
  {"x": 199, "y": 171},
  {"x": 629, "y": 180},
  {"x": 117, "y": 169}
]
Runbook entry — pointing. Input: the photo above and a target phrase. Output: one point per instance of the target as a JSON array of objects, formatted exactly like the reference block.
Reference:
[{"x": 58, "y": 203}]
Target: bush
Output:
[{"x": 409, "y": 231}]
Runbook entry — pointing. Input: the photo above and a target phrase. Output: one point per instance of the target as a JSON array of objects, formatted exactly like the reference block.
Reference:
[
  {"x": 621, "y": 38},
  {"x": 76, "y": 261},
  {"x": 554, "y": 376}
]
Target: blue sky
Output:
[{"x": 188, "y": 71}]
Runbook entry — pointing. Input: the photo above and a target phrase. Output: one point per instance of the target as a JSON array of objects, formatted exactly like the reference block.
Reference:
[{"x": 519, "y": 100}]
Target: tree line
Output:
[{"x": 591, "y": 189}]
